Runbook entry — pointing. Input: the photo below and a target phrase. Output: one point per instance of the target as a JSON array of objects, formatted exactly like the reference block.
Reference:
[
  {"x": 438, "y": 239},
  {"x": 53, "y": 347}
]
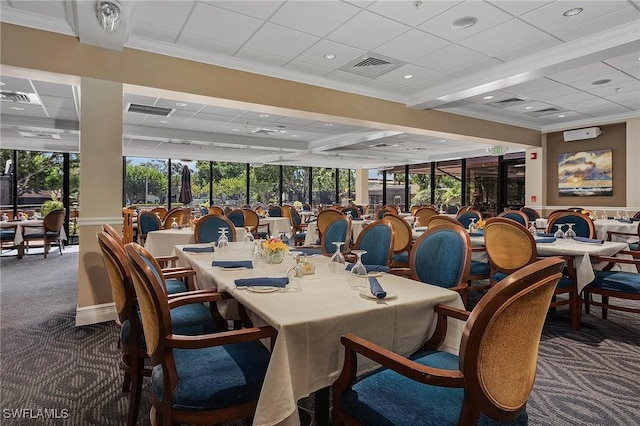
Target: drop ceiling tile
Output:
[
  {"x": 344, "y": 54},
  {"x": 476, "y": 67},
  {"x": 169, "y": 15},
  {"x": 617, "y": 79},
  {"x": 294, "y": 121},
  {"x": 133, "y": 119},
  {"x": 496, "y": 96},
  {"x": 383, "y": 85},
  {"x": 258, "y": 9},
  {"x": 528, "y": 48},
  {"x": 13, "y": 84},
  {"x": 488, "y": 17},
  {"x": 528, "y": 106},
  {"x": 553, "y": 92},
  {"x": 571, "y": 98},
  {"x": 628, "y": 63},
  {"x": 260, "y": 57},
  {"x": 432, "y": 82},
  {"x": 171, "y": 122},
  {"x": 609, "y": 90},
  {"x": 152, "y": 32},
  {"x": 314, "y": 17},
  {"x": 450, "y": 58},
  {"x": 602, "y": 23},
  {"x": 55, "y": 102},
  {"x": 517, "y": 8},
  {"x": 62, "y": 113},
  {"x": 307, "y": 68},
  {"x": 367, "y": 31},
  {"x": 46, "y": 88},
  {"x": 634, "y": 104},
  {"x": 220, "y": 24},
  {"x": 568, "y": 116},
  {"x": 13, "y": 108},
  {"x": 229, "y": 112},
  {"x": 206, "y": 44},
  {"x": 50, "y": 8},
  {"x": 404, "y": 48},
  {"x": 138, "y": 99},
  {"x": 605, "y": 110},
  {"x": 626, "y": 96},
  {"x": 396, "y": 76},
  {"x": 406, "y": 13},
  {"x": 503, "y": 37},
  {"x": 590, "y": 103},
  {"x": 280, "y": 41},
  {"x": 531, "y": 86},
  {"x": 173, "y": 103},
  {"x": 347, "y": 77},
  {"x": 550, "y": 17},
  {"x": 586, "y": 71},
  {"x": 198, "y": 125}
]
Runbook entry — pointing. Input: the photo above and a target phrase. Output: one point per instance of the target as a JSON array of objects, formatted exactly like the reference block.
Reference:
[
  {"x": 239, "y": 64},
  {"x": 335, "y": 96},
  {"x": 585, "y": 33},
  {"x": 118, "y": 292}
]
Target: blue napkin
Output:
[
  {"x": 357, "y": 218},
  {"x": 232, "y": 264},
  {"x": 476, "y": 234},
  {"x": 625, "y": 220},
  {"x": 544, "y": 234},
  {"x": 208, "y": 249},
  {"x": 262, "y": 281},
  {"x": 588, "y": 240},
  {"x": 370, "y": 268},
  {"x": 546, "y": 240},
  {"x": 376, "y": 288},
  {"x": 308, "y": 251},
  {"x": 635, "y": 219}
]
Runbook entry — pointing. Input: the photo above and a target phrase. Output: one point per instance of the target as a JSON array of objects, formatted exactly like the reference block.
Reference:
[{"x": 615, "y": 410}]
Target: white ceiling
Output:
[{"x": 524, "y": 51}]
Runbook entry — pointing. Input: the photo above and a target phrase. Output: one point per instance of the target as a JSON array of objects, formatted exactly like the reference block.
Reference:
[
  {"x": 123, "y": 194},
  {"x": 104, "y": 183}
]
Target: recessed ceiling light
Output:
[
  {"x": 407, "y": 76},
  {"x": 263, "y": 115},
  {"x": 181, "y": 104},
  {"x": 529, "y": 107},
  {"x": 561, "y": 116},
  {"x": 603, "y": 81},
  {"x": 573, "y": 12},
  {"x": 235, "y": 130},
  {"x": 2, "y": 83},
  {"x": 17, "y": 108},
  {"x": 164, "y": 121},
  {"x": 466, "y": 22},
  {"x": 488, "y": 97},
  {"x": 442, "y": 140},
  {"x": 329, "y": 56},
  {"x": 294, "y": 136},
  {"x": 328, "y": 124}
]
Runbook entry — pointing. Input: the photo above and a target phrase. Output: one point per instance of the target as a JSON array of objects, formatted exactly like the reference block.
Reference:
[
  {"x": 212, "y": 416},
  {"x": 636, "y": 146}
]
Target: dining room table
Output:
[
  {"x": 603, "y": 225},
  {"x": 277, "y": 225},
  {"x": 18, "y": 239},
  {"x": 311, "y": 315},
  {"x": 312, "y": 236},
  {"x": 161, "y": 242}
]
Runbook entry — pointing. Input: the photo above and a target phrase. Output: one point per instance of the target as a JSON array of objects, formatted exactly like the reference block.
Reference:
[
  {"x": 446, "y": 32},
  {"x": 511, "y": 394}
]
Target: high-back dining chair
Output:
[
  {"x": 531, "y": 214},
  {"x": 175, "y": 213},
  {"x": 377, "y": 239},
  {"x": 208, "y": 229},
  {"x": 488, "y": 382},
  {"x": 510, "y": 247},
  {"x": 50, "y": 232},
  {"x": 338, "y": 230},
  {"x": 516, "y": 215},
  {"x": 299, "y": 228},
  {"x": 384, "y": 210},
  {"x": 583, "y": 226},
  {"x": 324, "y": 218},
  {"x": 216, "y": 210},
  {"x": 423, "y": 214},
  {"x": 465, "y": 217},
  {"x": 354, "y": 210},
  {"x": 275, "y": 211},
  {"x": 147, "y": 222},
  {"x": 212, "y": 378},
  {"x": 237, "y": 217},
  {"x": 160, "y": 211},
  {"x": 252, "y": 224},
  {"x": 441, "y": 220},
  {"x": 402, "y": 240}
]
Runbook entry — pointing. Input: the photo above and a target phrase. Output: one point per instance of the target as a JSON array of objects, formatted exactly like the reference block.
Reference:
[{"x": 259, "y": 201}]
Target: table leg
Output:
[
  {"x": 321, "y": 402},
  {"x": 20, "y": 250}
]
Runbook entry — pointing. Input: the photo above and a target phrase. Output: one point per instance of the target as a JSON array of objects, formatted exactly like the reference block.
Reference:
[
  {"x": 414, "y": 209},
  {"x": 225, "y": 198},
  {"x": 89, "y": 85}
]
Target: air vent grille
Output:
[
  {"x": 150, "y": 110},
  {"x": 545, "y": 111},
  {"x": 505, "y": 103},
  {"x": 371, "y": 65},
  {"x": 19, "y": 97},
  {"x": 39, "y": 135}
]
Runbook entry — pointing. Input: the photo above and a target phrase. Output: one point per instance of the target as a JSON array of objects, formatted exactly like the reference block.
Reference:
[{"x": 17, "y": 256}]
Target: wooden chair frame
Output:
[{"x": 53, "y": 222}]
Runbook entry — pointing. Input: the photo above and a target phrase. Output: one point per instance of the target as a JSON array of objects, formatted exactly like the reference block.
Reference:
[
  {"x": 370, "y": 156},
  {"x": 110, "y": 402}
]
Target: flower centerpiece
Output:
[
  {"x": 273, "y": 250},
  {"x": 481, "y": 223},
  {"x": 297, "y": 205}
]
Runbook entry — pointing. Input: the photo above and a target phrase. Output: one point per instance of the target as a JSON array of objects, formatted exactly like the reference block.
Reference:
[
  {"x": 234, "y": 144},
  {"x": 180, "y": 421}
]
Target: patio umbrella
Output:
[{"x": 185, "y": 189}]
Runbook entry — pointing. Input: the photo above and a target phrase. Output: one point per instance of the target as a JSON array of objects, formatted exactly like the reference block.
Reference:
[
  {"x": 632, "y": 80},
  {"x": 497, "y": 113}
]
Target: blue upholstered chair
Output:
[
  {"x": 252, "y": 223},
  {"x": 451, "y": 210},
  {"x": 147, "y": 222},
  {"x": 190, "y": 319},
  {"x": 583, "y": 225},
  {"x": 377, "y": 239},
  {"x": 208, "y": 229},
  {"x": 7, "y": 236},
  {"x": 402, "y": 241},
  {"x": 355, "y": 212},
  {"x": 338, "y": 230},
  {"x": 487, "y": 384},
  {"x": 464, "y": 217},
  {"x": 212, "y": 378},
  {"x": 614, "y": 284},
  {"x": 531, "y": 214},
  {"x": 516, "y": 215},
  {"x": 275, "y": 211},
  {"x": 510, "y": 246},
  {"x": 203, "y": 210},
  {"x": 237, "y": 217},
  {"x": 627, "y": 236},
  {"x": 299, "y": 228},
  {"x": 50, "y": 232},
  {"x": 442, "y": 256}
]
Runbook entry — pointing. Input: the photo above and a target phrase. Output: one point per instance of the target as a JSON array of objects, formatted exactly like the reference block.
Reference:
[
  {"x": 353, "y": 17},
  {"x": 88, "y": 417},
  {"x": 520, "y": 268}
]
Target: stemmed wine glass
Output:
[
  {"x": 559, "y": 234},
  {"x": 223, "y": 241},
  {"x": 174, "y": 224},
  {"x": 358, "y": 272},
  {"x": 472, "y": 225},
  {"x": 617, "y": 216},
  {"x": 295, "y": 273},
  {"x": 257, "y": 259},
  {"x": 570, "y": 234},
  {"x": 337, "y": 263},
  {"x": 248, "y": 238}
]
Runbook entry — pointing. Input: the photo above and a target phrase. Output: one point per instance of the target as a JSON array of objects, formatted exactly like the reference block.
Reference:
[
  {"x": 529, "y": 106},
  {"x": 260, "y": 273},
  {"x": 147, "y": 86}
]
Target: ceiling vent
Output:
[
  {"x": 266, "y": 131},
  {"x": 371, "y": 65},
  {"x": 507, "y": 102},
  {"x": 19, "y": 97},
  {"x": 150, "y": 110},
  {"x": 545, "y": 111},
  {"x": 39, "y": 135}
]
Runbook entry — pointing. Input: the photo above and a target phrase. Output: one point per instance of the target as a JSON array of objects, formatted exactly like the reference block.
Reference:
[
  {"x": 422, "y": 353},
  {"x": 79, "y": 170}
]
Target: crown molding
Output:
[
  {"x": 608, "y": 119},
  {"x": 23, "y": 18}
]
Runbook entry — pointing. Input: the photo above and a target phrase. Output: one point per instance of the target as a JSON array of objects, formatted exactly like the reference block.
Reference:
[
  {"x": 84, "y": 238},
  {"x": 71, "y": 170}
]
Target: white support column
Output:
[
  {"x": 362, "y": 187},
  {"x": 633, "y": 164}
]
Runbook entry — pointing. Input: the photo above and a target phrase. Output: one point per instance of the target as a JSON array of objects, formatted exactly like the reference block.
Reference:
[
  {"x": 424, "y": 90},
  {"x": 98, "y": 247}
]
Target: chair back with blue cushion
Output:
[
  {"x": 402, "y": 240},
  {"x": 338, "y": 230},
  {"x": 208, "y": 229},
  {"x": 324, "y": 218},
  {"x": 355, "y": 212},
  {"x": 377, "y": 239},
  {"x": 147, "y": 222},
  {"x": 532, "y": 214},
  {"x": 237, "y": 217},
  {"x": 451, "y": 210},
  {"x": 487, "y": 384},
  {"x": 203, "y": 210},
  {"x": 275, "y": 211},
  {"x": 306, "y": 207},
  {"x": 7, "y": 236},
  {"x": 464, "y": 217},
  {"x": 516, "y": 215},
  {"x": 212, "y": 378},
  {"x": 583, "y": 225},
  {"x": 442, "y": 256},
  {"x": 384, "y": 210}
]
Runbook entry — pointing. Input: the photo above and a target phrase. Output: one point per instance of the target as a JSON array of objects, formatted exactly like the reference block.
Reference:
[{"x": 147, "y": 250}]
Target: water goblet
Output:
[
  {"x": 472, "y": 225},
  {"x": 248, "y": 238},
  {"x": 617, "y": 216},
  {"x": 358, "y": 272},
  {"x": 174, "y": 224},
  {"x": 337, "y": 263},
  {"x": 559, "y": 234},
  {"x": 223, "y": 241},
  {"x": 604, "y": 215},
  {"x": 570, "y": 234},
  {"x": 295, "y": 273}
]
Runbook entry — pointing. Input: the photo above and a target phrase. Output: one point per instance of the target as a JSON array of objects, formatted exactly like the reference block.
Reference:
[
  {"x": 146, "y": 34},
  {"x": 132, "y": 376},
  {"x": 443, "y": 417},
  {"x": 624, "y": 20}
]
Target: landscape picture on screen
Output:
[{"x": 585, "y": 174}]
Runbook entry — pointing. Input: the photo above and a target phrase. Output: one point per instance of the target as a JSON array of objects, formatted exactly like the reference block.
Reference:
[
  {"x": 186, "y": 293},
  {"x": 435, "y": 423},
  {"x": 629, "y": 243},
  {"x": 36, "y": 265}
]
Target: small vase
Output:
[{"x": 273, "y": 256}]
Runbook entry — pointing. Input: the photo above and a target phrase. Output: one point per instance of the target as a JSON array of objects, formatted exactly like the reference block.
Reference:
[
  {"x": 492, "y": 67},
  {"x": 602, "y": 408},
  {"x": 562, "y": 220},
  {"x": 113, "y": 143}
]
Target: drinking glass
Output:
[
  {"x": 472, "y": 225},
  {"x": 295, "y": 273},
  {"x": 570, "y": 234},
  {"x": 249, "y": 237},
  {"x": 559, "y": 234},
  {"x": 532, "y": 229},
  {"x": 337, "y": 263},
  {"x": 604, "y": 215},
  {"x": 174, "y": 224},
  {"x": 358, "y": 272},
  {"x": 223, "y": 241},
  {"x": 617, "y": 216}
]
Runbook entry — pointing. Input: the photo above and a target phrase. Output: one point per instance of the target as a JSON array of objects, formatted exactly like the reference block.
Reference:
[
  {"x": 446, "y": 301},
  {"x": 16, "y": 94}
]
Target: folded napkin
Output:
[
  {"x": 476, "y": 234},
  {"x": 376, "y": 288},
  {"x": 625, "y": 220},
  {"x": 357, "y": 218},
  {"x": 262, "y": 281},
  {"x": 544, "y": 234},
  {"x": 635, "y": 219},
  {"x": 207, "y": 249},
  {"x": 546, "y": 240},
  {"x": 588, "y": 240},
  {"x": 308, "y": 250},
  {"x": 370, "y": 268},
  {"x": 232, "y": 264}
]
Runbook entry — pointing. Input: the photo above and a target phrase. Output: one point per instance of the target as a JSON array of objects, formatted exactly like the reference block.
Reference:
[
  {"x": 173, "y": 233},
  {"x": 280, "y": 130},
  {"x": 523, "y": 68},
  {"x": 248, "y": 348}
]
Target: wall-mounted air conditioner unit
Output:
[{"x": 580, "y": 134}]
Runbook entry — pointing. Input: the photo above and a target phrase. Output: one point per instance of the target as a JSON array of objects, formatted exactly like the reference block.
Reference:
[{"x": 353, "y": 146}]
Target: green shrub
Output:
[{"x": 49, "y": 205}]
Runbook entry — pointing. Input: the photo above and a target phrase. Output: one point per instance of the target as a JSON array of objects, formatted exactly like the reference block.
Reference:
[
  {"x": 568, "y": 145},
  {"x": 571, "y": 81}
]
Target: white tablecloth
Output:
[
  {"x": 161, "y": 243},
  {"x": 604, "y": 225},
  {"x": 276, "y": 224},
  {"x": 312, "y": 232},
  {"x": 307, "y": 355},
  {"x": 17, "y": 240}
]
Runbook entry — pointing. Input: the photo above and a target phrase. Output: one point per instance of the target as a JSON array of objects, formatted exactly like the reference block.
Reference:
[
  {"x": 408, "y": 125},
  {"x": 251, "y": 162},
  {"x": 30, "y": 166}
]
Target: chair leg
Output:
[
  {"x": 587, "y": 302},
  {"x": 605, "y": 304},
  {"x": 46, "y": 248},
  {"x": 576, "y": 310},
  {"x": 136, "y": 390}
]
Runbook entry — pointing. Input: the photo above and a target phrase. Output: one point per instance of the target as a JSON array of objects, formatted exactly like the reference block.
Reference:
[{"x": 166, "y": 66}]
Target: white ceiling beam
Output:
[{"x": 90, "y": 31}]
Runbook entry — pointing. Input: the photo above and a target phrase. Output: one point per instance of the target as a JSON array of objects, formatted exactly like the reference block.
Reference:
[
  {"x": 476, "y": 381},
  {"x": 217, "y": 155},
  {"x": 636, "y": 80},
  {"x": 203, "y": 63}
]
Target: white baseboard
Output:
[{"x": 94, "y": 314}]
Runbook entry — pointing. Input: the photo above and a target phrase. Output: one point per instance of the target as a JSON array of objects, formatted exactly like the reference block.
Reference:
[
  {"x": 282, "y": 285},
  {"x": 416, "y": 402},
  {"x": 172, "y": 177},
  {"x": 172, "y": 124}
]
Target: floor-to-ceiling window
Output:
[
  {"x": 295, "y": 184},
  {"x": 420, "y": 180},
  {"x": 448, "y": 183},
  {"x": 513, "y": 166},
  {"x": 146, "y": 182},
  {"x": 482, "y": 184},
  {"x": 346, "y": 188},
  {"x": 229, "y": 183},
  {"x": 264, "y": 185},
  {"x": 324, "y": 186}
]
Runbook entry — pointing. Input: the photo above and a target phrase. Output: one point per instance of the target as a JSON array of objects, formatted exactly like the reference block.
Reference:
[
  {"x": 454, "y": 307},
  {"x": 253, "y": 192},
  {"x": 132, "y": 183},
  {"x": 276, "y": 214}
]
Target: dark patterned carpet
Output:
[{"x": 50, "y": 368}]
